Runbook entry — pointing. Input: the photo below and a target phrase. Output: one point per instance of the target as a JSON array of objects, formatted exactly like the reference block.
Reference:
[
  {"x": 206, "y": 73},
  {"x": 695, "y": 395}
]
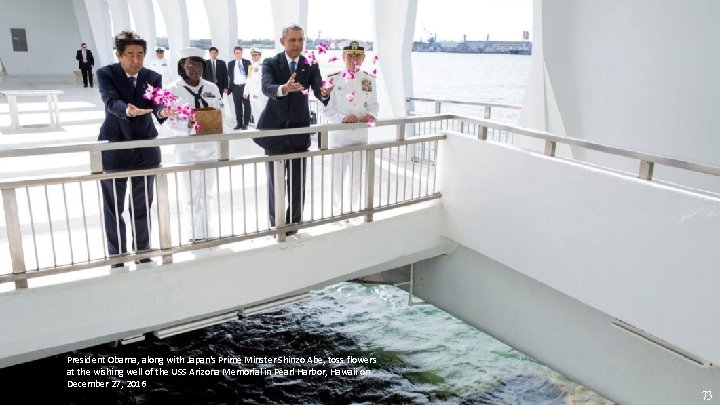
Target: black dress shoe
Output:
[
  {"x": 244, "y": 128},
  {"x": 290, "y": 233},
  {"x": 143, "y": 261},
  {"x": 85, "y": 85},
  {"x": 116, "y": 265},
  {"x": 237, "y": 127}
]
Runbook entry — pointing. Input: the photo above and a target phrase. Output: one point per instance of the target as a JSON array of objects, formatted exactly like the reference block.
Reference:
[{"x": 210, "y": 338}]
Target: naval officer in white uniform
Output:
[
  {"x": 253, "y": 87},
  {"x": 198, "y": 187},
  {"x": 162, "y": 65},
  {"x": 353, "y": 99}
]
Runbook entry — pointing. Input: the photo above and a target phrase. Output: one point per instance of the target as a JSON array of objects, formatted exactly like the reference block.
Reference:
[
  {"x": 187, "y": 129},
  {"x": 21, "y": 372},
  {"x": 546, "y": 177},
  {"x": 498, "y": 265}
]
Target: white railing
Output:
[{"x": 56, "y": 224}]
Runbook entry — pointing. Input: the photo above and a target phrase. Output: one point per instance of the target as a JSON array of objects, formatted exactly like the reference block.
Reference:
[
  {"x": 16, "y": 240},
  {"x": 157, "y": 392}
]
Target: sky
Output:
[{"x": 448, "y": 19}]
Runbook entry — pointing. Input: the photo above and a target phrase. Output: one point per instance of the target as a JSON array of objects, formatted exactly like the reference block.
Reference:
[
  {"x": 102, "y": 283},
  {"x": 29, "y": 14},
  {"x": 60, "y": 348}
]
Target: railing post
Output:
[
  {"x": 323, "y": 140},
  {"x": 400, "y": 134},
  {"x": 437, "y": 107},
  {"x": 163, "y": 204},
  {"x": 224, "y": 150},
  {"x": 646, "y": 170},
  {"x": 96, "y": 161},
  {"x": 482, "y": 129},
  {"x": 279, "y": 181},
  {"x": 14, "y": 234},
  {"x": 369, "y": 184},
  {"x": 550, "y": 147}
]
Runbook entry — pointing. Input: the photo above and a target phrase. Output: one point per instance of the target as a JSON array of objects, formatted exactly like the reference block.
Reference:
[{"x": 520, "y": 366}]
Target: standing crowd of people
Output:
[{"x": 272, "y": 93}]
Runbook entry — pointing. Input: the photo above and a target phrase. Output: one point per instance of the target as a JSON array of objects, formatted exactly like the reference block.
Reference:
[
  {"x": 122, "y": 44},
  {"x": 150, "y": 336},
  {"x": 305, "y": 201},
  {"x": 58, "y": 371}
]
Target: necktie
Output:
[
  {"x": 292, "y": 66},
  {"x": 133, "y": 79},
  {"x": 214, "y": 76},
  {"x": 199, "y": 101}
]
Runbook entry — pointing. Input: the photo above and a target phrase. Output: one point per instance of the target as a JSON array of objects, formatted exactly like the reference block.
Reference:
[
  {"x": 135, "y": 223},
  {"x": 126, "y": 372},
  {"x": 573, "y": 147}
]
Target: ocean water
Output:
[{"x": 416, "y": 354}]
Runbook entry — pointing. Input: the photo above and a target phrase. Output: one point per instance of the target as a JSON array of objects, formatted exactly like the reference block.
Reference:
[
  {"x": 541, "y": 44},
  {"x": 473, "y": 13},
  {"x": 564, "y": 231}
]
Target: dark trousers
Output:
[
  {"x": 141, "y": 199},
  {"x": 87, "y": 74},
  {"x": 242, "y": 106},
  {"x": 294, "y": 186}
]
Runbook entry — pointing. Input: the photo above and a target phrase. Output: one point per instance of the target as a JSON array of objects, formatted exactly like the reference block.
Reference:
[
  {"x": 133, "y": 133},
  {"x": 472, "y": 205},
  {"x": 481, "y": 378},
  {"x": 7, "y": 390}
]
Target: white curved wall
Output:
[
  {"x": 638, "y": 74},
  {"x": 223, "y": 22},
  {"x": 120, "y": 15},
  {"x": 393, "y": 35},
  {"x": 44, "y": 22},
  {"x": 287, "y": 12},
  {"x": 636, "y": 250},
  {"x": 175, "y": 14},
  {"x": 97, "y": 12},
  {"x": 144, "y": 18}
]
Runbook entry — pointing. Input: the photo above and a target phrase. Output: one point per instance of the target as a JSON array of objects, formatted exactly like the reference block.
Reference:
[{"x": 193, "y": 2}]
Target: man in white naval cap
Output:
[
  {"x": 198, "y": 186},
  {"x": 163, "y": 66},
  {"x": 353, "y": 99},
  {"x": 253, "y": 87}
]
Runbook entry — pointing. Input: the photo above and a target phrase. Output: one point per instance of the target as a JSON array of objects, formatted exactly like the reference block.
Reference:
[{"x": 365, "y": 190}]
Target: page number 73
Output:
[{"x": 707, "y": 395}]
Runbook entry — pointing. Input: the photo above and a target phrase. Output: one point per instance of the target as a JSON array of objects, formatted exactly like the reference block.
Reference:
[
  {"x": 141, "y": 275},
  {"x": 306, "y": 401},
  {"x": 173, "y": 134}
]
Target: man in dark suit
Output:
[
  {"x": 284, "y": 79},
  {"x": 86, "y": 62},
  {"x": 238, "y": 74},
  {"x": 128, "y": 117},
  {"x": 216, "y": 71}
]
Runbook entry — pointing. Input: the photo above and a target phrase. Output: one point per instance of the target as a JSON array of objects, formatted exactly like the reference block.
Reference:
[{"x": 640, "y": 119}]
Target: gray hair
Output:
[{"x": 292, "y": 27}]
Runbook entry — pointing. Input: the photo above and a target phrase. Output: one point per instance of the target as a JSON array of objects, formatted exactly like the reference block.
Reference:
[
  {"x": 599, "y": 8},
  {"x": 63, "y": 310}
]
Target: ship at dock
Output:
[{"x": 523, "y": 47}]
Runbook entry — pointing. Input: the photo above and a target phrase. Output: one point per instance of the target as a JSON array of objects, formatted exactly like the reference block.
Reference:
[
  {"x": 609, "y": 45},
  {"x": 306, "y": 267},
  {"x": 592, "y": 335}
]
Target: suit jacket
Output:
[
  {"x": 116, "y": 93},
  {"x": 89, "y": 57},
  {"x": 231, "y": 71},
  {"x": 221, "y": 74},
  {"x": 290, "y": 110}
]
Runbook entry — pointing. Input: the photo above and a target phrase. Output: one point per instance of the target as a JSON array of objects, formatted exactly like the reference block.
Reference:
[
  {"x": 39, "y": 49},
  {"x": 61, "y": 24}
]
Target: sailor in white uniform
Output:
[
  {"x": 253, "y": 88},
  {"x": 198, "y": 186},
  {"x": 162, "y": 65},
  {"x": 353, "y": 99}
]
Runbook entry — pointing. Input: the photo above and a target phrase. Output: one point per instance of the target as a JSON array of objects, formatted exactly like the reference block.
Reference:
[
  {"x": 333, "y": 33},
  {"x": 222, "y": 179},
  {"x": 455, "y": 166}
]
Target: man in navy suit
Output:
[
  {"x": 238, "y": 74},
  {"x": 216, "y": 71},
  {"x": 86, "y": 62},
  {"x": 284, "y": 79},
  {"x": 128, "y": 117}
]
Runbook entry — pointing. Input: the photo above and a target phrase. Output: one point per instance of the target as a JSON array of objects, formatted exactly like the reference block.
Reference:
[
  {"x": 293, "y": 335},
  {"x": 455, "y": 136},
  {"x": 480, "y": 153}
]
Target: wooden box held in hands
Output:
[{"x": 210, "y": 120}]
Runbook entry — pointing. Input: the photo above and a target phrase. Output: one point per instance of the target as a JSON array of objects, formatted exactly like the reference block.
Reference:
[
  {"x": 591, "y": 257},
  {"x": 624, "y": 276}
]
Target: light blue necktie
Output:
[{"x": 292, "y": 67}]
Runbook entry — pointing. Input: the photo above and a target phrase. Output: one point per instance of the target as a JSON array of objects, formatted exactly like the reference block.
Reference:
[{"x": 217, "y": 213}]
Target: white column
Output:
[
  {"x": 175, "y": 15},
  {"x": 144, "y": 17},
  {"x": 99, "y": 18},
  {"x": 223, "y": 22},
  {"x": 540, "y": 110},
  {"x": 394, "y": 30},
  {"x": 287, "y": 12},
  {"x": 120, "y": 15}
]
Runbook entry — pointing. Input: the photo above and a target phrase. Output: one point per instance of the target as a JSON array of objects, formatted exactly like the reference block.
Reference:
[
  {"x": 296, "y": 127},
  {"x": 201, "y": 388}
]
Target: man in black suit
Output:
[
  {"x": 128, "y": 117},
  {"x": 216, "y": 71},
  {"x": 238, "y": 73},
  {"x": 284, "y": 80},
  {"x": 86, "y": 62}
]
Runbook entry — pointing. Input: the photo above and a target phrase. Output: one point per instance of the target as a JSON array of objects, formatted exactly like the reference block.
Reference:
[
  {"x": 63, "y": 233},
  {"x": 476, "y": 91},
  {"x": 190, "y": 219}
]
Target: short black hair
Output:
[
  {"x": 181, "y": 62},
  {"x": 212, "y": 48},
  {"x": 237, "y": 48},
  {"x": 125, "y": 38}
]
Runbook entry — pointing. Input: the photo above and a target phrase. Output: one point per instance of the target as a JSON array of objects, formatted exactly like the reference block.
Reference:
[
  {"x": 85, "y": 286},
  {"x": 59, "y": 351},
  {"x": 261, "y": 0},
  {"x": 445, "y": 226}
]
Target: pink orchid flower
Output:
[{"x": 350, "y": 97}]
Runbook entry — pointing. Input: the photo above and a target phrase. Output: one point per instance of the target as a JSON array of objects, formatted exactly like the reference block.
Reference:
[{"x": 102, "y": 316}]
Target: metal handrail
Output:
[
  {"x": 551, "y": 141},
  {"x": 476, "y": 103}
]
